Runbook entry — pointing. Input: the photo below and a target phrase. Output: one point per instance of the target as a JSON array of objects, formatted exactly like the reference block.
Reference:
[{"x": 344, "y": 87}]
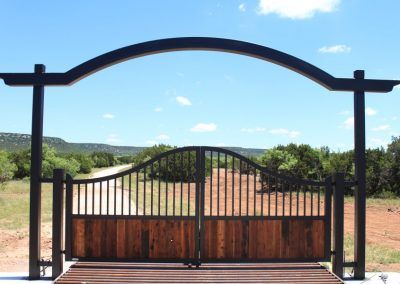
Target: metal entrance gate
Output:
[{"x": 196, "y": 204}]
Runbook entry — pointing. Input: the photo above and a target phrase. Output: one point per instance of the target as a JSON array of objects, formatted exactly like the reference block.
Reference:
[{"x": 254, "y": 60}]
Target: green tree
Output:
[
  {"x": 393, "y": 154},
  {"x": 7, "y": 169},
  {"x": 22, "y": 161},
  {"x": 278, "y": 160},
  {"x": 51, "y": 161},
  {"x": 85, "y": 162}
]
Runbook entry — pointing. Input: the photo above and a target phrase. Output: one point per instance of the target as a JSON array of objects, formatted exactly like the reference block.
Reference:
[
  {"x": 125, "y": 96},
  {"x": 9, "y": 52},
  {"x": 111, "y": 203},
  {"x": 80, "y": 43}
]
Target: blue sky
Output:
[{"x": 198, "y": 97}]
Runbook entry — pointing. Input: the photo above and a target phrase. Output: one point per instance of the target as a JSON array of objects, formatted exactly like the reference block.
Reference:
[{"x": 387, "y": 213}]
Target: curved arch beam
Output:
[{"x": 198, "y": 43}]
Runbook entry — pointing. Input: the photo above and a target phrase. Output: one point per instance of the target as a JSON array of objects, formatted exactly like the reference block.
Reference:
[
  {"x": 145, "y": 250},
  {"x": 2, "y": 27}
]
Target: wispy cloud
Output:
[
  {"x": 158, "y": 109},
  {"x": 162, "y": 137},
  {"x": 204, "y": 127},
  {"x": 296, "y": 9},
  {"x": 151, "y": 142},
  {"x": 221, "y": 144},
  {"x": 242, "y": 7},
  {"x": 285, "y": 132},
  {"x": 108, "y": 116},
  {"x": 252, "y": 130},
  {"x": 113, "y": 139},
  {"x": 348, "y": 123},
  {"x": 370, "y": 111},
  {"x": 183, "y": 101},
  {"x": 340, "y": 48},
  {"x": 381, "y": 127}
]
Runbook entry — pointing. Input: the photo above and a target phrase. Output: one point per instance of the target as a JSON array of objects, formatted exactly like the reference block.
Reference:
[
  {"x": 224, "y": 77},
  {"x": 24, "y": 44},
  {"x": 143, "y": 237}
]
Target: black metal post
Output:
[
  {"x": 58, "y": 223},
  {"x": 360, "y": 168},
  {"x": 338, "y": 224},
  {"x": 36, "y": 172},
  {"x": 68, "y": 214}
]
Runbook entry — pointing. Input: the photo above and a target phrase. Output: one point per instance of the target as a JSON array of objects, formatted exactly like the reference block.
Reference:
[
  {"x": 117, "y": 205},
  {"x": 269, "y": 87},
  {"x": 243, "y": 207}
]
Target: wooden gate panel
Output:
[
  {"x": 133, "y": 238},
  {"x": 263, "y": 239}
]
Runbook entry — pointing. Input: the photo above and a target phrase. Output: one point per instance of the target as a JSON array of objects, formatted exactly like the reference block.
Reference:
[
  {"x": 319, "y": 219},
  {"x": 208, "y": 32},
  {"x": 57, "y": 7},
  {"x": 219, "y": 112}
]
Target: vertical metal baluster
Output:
[
  {"x": 262, "y": 177},
  {"x": 79, "y": 199},
  {"x": 312, "y": 200},
  {"x": 218, "y": 165},
  {"x": 226, "y": 181},
  {"x": 276, "y": 196},
  {"x": 159, "y": 187},
  {"x": 189, "y": 181},
  {"x": 144, "y": 191},
  {"x": 181, "y": 195},
  {"x": 173, "y": 191},
  {"x": 240, "y": 187},
  {"x": 283, "y": 197},
  {"x": 85, "y": 198},
  {"x": 151, "y": 182},
  {"x": 166, "y": 186},
  {"x": 130, "y": 193},
  {"x": 304, "y": 199},
  {"x": 319, "y": 200},
  {"x": 247, "y": 189},
  {"x": 93, "y": 198},
  {"x": 137, "y": 193},
  {"x": 254, "y": 192},
  {"x": 108, "y": 197},
  {"x": 122, "y": 195},
  {"x": 211, "y": 176},
  {"x": 297, "y": 201},
  {"x": 269, "y": 195},
  {"x": 115, "y": 196},
  {"x": 233, "y": 186}
]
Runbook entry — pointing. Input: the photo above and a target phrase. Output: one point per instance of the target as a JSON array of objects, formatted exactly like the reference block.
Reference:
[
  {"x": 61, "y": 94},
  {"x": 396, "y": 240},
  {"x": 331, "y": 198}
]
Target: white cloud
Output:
[
  {"x": 113, "y": 139},
  {"x": 108, "y": 116},
  {"x": 151, "y": 142},
  {"x": 242, "y": 7},
  {"x": 285, "y": 132},
  {"x": 221, "y": 144},
  {"x": 370, "y": 111},
  {"x": 394, "y": 118},
  {"x": 348, "y": 123},
  {"x": 158, "y": 109},
  {"x": 162, "y": 137},
  {"x": 183, "y": 101},
  {"x": 204, "y": 127},
  {"x": 252, "y": 130},
  {"x": 381, "y": 127},
  {"x": 296, "y": 9},
  {"x": 340, "y": 48}
]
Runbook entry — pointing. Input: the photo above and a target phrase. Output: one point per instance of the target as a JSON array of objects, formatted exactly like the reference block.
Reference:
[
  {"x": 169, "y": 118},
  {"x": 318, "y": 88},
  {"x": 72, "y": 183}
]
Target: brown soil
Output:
[{"x": 383, "y": 223}]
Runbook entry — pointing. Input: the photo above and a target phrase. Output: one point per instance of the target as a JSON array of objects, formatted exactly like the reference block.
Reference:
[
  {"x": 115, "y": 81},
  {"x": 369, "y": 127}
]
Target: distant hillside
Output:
[{"x": 15, "y": 141}]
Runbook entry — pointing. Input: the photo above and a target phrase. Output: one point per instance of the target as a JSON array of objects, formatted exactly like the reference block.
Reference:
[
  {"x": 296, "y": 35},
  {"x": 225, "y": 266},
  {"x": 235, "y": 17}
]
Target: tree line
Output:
[{"x": 302, "y": 161}]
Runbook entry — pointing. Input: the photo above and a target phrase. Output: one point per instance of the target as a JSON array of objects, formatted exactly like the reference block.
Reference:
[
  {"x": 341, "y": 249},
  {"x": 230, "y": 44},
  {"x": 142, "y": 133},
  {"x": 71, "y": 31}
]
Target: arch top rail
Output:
[
  {"x": 198, "y": 43},
  {"x": 251, "y": 163}
]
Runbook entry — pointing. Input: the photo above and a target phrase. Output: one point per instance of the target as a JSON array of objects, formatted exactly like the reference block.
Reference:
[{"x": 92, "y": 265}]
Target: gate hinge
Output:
[
  {"x": 63, "y": 251},
  {"x": 333, "y": 252}
]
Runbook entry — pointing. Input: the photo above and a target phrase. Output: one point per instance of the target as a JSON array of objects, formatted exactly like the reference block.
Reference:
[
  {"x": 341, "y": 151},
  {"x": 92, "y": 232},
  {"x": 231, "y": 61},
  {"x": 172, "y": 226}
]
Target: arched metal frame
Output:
[{"x": 39, "y": 79}]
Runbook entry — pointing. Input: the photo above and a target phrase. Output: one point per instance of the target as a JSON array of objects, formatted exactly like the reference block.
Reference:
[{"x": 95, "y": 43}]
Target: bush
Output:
[
  {"x": 103, "y": 159},
  {"x": 51, "y": 162},
  {"x": 7, "y": 169},
  {"x": 85, "y": 162}
]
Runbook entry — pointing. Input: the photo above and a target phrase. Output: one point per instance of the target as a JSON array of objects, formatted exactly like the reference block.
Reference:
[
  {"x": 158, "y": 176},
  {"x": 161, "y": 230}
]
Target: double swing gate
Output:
[{"x": 198, "y": 204}]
